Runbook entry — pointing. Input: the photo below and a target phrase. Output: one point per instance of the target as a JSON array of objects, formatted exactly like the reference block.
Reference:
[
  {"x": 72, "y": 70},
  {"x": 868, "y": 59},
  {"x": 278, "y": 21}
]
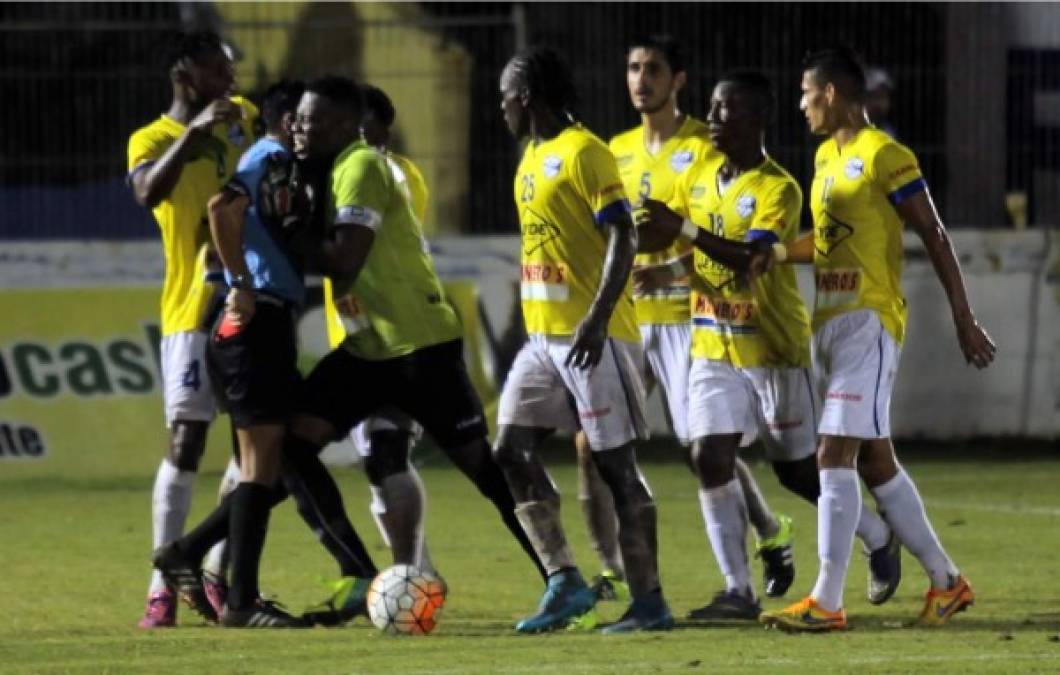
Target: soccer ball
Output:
[{"x": 405, "y": 601}]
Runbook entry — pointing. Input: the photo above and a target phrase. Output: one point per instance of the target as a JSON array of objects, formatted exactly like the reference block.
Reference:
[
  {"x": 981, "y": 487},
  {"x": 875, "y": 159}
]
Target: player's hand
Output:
[
  {"x": 239, "y": 306},
  {"x": 659, "y": 217},
  {"x": 979, "y": 349},
  {"x": 762, "y": 259},
  {"x": 652, "y": 277},
  {"x": 219, "y": 110},
  {"x": 587, "y": 345}
]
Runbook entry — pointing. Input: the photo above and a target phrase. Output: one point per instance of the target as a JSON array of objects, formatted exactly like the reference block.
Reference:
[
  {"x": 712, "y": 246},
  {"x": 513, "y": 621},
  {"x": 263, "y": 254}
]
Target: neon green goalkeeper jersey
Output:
[{"x": 397, "y": 304}]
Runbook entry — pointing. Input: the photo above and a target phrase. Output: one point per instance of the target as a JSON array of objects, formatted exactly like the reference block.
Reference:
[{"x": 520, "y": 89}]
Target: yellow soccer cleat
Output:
[
  {"x": 805, "y": 616},
  {"x": 939, "y": 606}
]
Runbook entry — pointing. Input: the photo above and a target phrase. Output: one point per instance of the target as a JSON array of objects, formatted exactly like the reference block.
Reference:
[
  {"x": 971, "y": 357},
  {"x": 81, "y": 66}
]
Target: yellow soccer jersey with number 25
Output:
[
  {"x": 645, "y": 175},
  {"x": 857, "y": 231},
  {"x": 765, "y": 323},
  {"x": 566, "y": 188}
]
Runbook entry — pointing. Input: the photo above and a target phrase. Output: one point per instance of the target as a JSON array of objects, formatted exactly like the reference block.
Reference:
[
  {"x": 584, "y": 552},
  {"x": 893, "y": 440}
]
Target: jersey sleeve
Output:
[
  {"x": 247, "y": 178},
  {"x": 361, "y": 191},
  {"x": 776, "y": 218},
  {"x": 594, "y": 175},
  {"x": 897, "y": 172},
  {"x": 145, "y": 147}
]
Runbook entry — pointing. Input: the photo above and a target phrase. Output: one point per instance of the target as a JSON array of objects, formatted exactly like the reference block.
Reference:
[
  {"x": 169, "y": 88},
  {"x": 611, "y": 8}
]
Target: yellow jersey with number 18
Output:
[
  {"x": 857, "y": 231},
  {"x": 181, "y": 216},
  {"x": 645, "y": 175},
  {"x": 763, "y": 324},
  {"x": 566, "y": 189}
]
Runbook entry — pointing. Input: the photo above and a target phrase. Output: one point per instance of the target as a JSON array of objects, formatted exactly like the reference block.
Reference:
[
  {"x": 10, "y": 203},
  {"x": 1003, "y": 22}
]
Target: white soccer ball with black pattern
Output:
[{"x": 402, "y": 600}]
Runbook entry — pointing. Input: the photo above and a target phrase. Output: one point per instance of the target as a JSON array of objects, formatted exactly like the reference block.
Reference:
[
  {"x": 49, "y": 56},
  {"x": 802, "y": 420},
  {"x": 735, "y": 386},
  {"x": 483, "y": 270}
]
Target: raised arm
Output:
[{"x": 919, "y": 212}]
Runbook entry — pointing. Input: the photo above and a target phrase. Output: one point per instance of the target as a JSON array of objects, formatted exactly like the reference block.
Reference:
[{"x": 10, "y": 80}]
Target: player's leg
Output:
[
  {"x": 215, "y": 564},
  {"x": 189, "y": 406},
  {"x": 397, "y": 496},
  {"x": 610, "y": 405},
  {"x": 598, "y": 508},
  {"x": 903, "y": 509}
]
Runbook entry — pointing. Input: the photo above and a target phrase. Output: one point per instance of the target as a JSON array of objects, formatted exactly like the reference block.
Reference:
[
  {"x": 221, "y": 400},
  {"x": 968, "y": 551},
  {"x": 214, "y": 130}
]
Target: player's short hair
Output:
[
  {"x": 546, "y": 74},
  {"x": 281, "y": 97},
  {"x": 181, "y": 48},
  {"x": 756, "y": 82},
  {"x": 379, "y": 104},
  {"x": 341, "y": 91},
  {"x": 841, "y": 66},
  {"x": 665, "y": 44}
]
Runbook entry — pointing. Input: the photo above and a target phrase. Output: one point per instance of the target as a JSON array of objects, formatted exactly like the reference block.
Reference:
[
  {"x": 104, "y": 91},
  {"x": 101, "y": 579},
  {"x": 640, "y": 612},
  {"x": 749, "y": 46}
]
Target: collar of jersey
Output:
[
  {"x": 683, "y": 132},
  {"x": 739, "y": 179},
  {"x": 352, "y": 147}
]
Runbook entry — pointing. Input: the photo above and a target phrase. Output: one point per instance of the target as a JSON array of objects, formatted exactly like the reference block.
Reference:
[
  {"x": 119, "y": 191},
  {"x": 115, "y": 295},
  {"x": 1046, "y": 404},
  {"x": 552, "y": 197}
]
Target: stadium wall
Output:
[{"x": 80, "y": 390}]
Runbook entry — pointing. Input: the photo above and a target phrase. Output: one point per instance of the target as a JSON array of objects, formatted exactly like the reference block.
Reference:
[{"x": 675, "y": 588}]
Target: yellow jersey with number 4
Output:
[
  {"x": 763, "y": 323},
  {"x": 857, "y": 231},
  {"x": 566, "y": 189},
  {"x": 181, "y": 216},
  {"x": 645, "y": 175}
]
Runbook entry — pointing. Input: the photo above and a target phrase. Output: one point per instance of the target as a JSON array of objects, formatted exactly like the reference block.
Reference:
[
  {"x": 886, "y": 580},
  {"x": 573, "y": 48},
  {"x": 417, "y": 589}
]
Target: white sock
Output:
[
  {"x": 170, "y": 503},
  {"x": 904, "y": 510},
  {"x": 398, "y": 507},
  {"x": 838, "y": 512},
  {"x": 725, "y": 516},
  {"x": 216, "y": 562},
  {"x": 872, "y": 530}
]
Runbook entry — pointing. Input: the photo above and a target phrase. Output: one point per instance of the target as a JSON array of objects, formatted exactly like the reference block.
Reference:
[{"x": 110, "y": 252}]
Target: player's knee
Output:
[
  {"x": 389, "y": 454},
  {"x": 836, "y": 452},
  {"x": 514, "y": 447},
  {"x": 187, "y": 442},
  {"x": 714, "y": 462},
  {"x": 581, "y": 446},
  {"x": 800, "y": 477},
  {"x": 618, "y": 468}
]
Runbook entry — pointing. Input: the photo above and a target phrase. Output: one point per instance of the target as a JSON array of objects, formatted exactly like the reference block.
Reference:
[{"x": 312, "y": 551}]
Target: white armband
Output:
[{"x": 689, "y": 230}]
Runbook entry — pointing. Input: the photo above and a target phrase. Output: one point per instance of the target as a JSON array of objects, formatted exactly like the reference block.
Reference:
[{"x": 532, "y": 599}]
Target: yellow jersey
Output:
[
  {"x": 181, "y": 216},
  {"x": 857, "y": 231},
  {"x": 566, "y": 188},
  {"x": 412, "y": 184},
  {"x": 645, "y": 175},
  {"x": 764, "y": 323}
]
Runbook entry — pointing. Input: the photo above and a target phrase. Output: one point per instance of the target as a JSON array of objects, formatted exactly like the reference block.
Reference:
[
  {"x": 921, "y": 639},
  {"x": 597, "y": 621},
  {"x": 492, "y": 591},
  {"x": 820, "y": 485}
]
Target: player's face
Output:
[
  {"x": 210, "y": 76},
  {"x": 815, "y": 104},
  {"x": 316, "y": 128},
  {"x": 513, "y": 103},
  {"x": 652, "y": 84},
  {"x": 733, "y": 120},
  {"x": 373, "y": 131}
]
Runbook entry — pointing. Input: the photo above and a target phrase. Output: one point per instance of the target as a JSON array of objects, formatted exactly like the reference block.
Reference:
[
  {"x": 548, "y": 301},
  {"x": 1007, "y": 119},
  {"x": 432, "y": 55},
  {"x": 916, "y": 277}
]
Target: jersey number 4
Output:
[{"x": 190, "y": 378}]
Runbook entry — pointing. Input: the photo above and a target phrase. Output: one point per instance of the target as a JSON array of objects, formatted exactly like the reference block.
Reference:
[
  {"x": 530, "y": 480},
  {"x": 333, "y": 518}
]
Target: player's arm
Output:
[
  {"x": 651, "y": 277},
  {"x": 587, "y": 345},
  {"x": 152, "y": 182},
  {"x": 736, "y": 255},
  {"x": 918, "y": 210},
  {"x": 799, "y": 251},
  {"x": 226, "y": 211}
]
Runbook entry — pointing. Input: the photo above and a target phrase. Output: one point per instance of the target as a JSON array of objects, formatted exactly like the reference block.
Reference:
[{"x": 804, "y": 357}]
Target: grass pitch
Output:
[{"x": 74, "y": 572}]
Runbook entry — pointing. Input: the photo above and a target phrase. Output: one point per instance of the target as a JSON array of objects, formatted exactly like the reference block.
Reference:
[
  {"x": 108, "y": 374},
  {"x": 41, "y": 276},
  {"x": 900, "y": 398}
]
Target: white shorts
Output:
[
  {"x": 187, "y": 392},
  {"x": 607, "y": 402},
  {"x": 855, "y": 361},
  {"x": 774, "y": 405},
  {"x": 668, "y": 359},
  {"x": 383, "y": 420}
]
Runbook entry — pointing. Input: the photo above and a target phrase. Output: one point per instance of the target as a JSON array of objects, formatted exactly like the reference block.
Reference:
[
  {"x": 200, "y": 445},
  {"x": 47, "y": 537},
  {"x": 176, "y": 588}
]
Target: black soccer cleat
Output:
[
  {"x": 729, "y": 606},
  {"x": 185, "y": 577},
  {"x": 262, "y": 614},
  {"x": 885, "y": 571}
]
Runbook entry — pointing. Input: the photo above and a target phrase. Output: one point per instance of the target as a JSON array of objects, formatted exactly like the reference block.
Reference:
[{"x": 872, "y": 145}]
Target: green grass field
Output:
[{"x": 74, "y": 571}]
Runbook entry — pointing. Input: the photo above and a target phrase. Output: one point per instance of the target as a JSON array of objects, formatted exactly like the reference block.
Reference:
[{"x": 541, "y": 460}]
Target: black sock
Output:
[
  {"x": 249, "y": 521},
  {"x": 320, "y": 505},
  {"x": 214, "y": 528}
]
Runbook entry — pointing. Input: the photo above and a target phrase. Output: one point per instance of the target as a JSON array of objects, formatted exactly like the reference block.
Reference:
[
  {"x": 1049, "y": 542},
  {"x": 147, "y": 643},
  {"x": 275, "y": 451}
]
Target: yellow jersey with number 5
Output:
[
  {"x": 764, "y": 323},
  {"x": 181, "y": 216},
  {"x": 645, "y": 175},
  {"x": 566, "y": 189},
  {"x": 857, "y": 231}
]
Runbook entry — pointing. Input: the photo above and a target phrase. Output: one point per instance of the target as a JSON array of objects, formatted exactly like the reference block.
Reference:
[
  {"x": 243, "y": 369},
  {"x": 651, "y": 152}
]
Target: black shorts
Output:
[
  {"x": 430, "y": 385},
  {"x": 256, "y": 369}
]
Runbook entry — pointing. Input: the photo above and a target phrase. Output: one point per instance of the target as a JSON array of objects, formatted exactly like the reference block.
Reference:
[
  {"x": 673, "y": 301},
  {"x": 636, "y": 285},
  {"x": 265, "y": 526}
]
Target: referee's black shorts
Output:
[
  {"x": 430, "y": 385},
  {"x": 256, "y": 368}
]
